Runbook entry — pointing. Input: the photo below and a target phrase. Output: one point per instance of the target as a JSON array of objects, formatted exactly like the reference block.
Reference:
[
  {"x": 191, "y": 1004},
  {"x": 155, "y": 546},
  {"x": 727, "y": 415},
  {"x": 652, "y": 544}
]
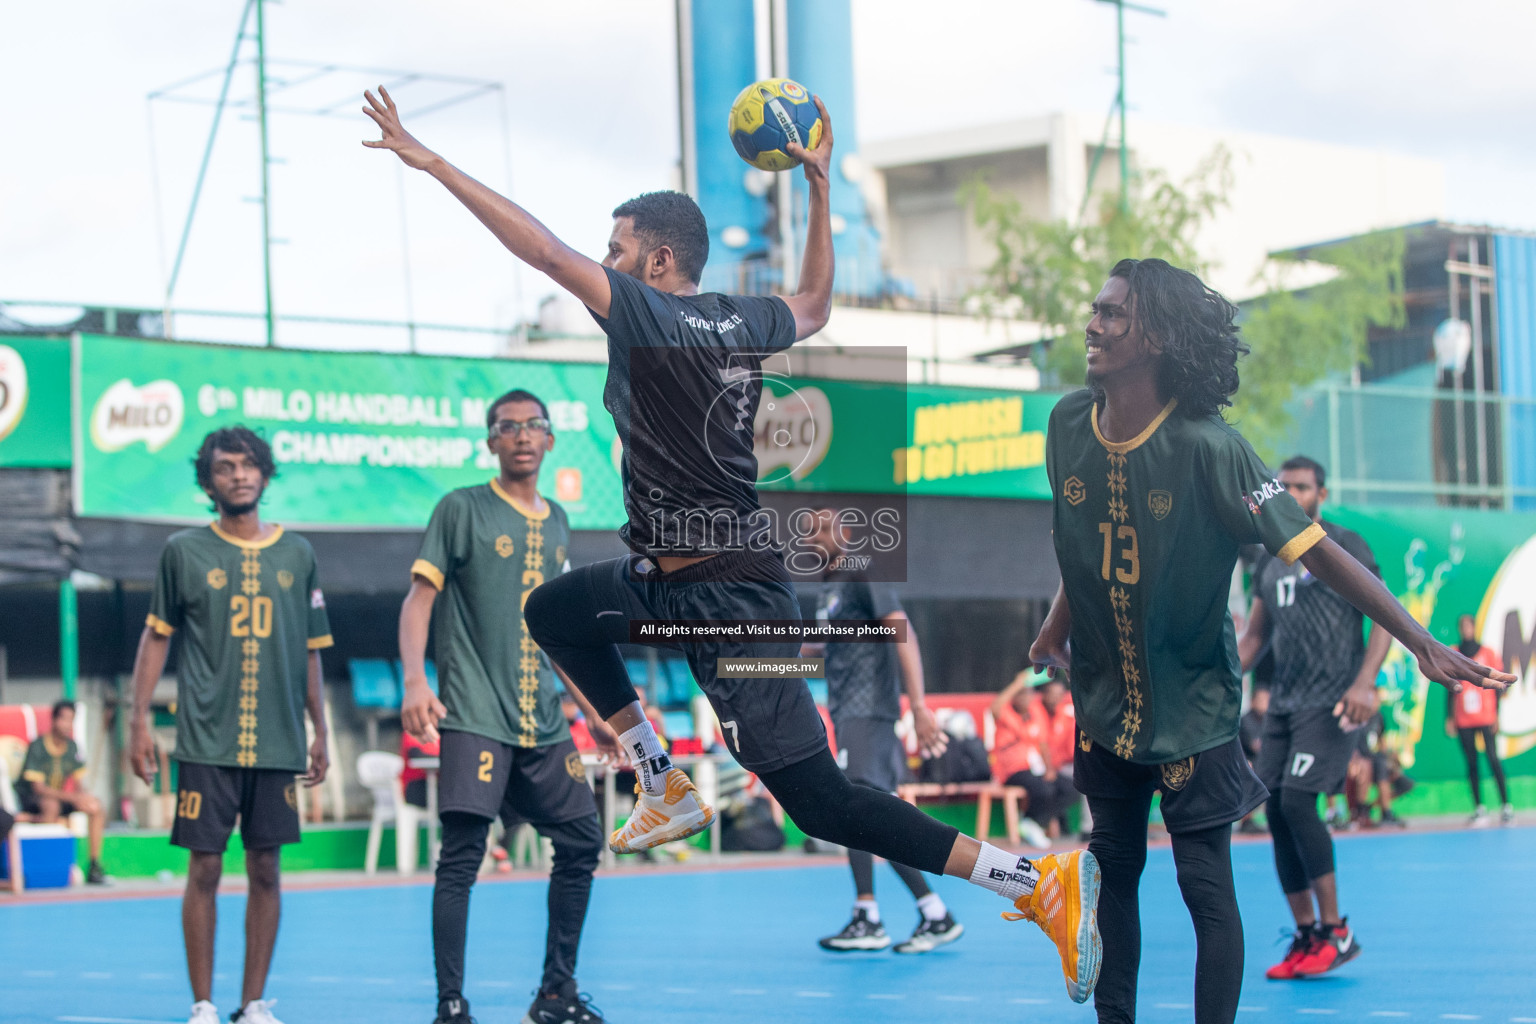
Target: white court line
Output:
[
  {"x": 814, "y": 995},
  {"x": 495, "y": 984},
  {"x": 749, "y": 991},
  {"x": 113, "y": 1020},
  {"x": 1316, "y": 1009},
  {"x": 1389, "y": 1013},
  {"x": 885, "y": 995},
  {"x": 1174, "y": 1006},
  {"x": 1460, "y": 1016},
  {"x": 1522, "y": 1020}
]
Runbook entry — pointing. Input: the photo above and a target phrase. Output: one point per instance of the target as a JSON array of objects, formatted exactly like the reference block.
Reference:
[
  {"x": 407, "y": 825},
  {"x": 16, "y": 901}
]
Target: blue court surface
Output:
[{"x": 1447, "y": 921}]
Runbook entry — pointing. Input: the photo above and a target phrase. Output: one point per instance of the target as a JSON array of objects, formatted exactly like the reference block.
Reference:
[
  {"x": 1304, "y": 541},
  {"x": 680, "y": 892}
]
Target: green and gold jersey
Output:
[
  {"x": 1146, "y": 534},
  {"x": 248, "y": 614},
  {"x": 49, "y": 764},
  {"x": 485, "y": 552}
]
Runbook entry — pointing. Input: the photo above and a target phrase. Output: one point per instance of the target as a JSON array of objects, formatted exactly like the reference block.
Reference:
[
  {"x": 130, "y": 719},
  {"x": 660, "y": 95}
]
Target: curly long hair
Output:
[
  {"x": 1195, "y": 328},
  {"x": 238, "y": 438}
]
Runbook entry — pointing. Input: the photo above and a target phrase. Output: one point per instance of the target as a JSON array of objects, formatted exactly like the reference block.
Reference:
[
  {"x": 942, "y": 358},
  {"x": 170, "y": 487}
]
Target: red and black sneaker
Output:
[
  {"x": 1302, "y": 945},
  {"x": 1336, "y": 946}
]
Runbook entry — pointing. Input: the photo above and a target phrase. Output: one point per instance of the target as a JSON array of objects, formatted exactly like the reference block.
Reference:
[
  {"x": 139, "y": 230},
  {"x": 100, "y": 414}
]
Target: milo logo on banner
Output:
[
  {"x": 125, "y": 413},
  {"x": 792, "y": 432},
  {"x": 1507, "y": 623},
  {"x": 13, "y": 389}
]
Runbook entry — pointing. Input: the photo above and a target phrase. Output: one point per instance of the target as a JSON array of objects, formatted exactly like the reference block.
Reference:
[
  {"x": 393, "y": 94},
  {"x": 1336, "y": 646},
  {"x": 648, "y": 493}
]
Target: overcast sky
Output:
[{"x": 96, "y": 182}]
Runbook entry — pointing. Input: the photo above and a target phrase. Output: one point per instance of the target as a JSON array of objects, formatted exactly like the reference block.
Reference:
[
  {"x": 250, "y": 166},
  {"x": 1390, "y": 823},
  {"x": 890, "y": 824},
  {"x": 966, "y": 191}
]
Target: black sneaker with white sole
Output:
[
  {"x": 859, "y": 934},
  {"x": 931, "y": 935},
  {"x": 453, "y": 1011},
  {"x": 565, "y": 1007}
]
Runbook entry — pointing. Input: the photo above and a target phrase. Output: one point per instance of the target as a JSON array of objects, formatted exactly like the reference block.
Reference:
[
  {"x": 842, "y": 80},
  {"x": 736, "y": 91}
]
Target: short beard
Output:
[{"x": 235, "y": 511}]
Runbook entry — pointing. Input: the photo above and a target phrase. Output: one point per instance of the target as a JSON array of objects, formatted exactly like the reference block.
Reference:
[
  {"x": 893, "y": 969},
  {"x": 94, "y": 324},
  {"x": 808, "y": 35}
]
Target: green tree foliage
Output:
[
  {"x": 1048, "y": 271},
  {"x": 1299, "y": 336}
]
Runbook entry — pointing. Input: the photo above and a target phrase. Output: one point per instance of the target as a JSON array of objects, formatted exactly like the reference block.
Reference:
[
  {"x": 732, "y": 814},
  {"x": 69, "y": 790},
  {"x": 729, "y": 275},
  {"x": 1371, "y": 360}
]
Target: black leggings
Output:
[
  {"x": 1303, "y": 847},
  {"x": 862, "y": 863},
  {"x": 818, "y": 797},
  {"x": 1047, "y": 799},
  {"x": 1495, "y": 766},
  {"x": 1204, "y": 863},
  {"x": 577, "y": 845}
]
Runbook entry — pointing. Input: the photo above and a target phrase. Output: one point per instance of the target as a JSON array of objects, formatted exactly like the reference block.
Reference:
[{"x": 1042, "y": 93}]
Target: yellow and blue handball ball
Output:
[{"x": 767, "y": 116}]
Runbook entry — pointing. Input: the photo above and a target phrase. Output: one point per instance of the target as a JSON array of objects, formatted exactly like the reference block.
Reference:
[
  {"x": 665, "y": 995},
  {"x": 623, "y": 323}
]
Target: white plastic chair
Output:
[{"x": 379, "y": 770}]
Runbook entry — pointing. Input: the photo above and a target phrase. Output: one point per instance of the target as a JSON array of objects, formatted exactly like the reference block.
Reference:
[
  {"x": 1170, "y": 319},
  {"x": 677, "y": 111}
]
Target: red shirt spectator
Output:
[{"x": 1475, "y": 707}]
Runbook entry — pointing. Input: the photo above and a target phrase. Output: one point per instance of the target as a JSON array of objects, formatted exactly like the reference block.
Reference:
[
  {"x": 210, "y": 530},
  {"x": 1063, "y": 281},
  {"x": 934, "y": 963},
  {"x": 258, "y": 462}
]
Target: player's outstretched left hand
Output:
[
  {"x": 319, "y": 762},
  {"x": 817, "y": 162},
  {"x": 1451, "y": 669},
  {"x": 396, "y": 138}
]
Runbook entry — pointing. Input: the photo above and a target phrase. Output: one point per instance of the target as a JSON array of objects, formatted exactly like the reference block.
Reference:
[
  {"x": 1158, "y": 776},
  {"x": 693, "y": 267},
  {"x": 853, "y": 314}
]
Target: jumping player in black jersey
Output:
[
  {"x": 684, "y": 381},
  {"x": 1153, "y": 495},
  {"x": 1322, "y": 689}
]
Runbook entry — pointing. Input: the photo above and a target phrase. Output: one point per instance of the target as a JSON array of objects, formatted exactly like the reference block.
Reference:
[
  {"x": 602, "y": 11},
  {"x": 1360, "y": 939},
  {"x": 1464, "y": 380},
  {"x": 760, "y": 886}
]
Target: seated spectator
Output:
[
  {"x": 1026, "y": 753},
  {"x": 580, "y": 734},
  {"x": 49, "y": 787},
  {"x": 415, "y": 779}
]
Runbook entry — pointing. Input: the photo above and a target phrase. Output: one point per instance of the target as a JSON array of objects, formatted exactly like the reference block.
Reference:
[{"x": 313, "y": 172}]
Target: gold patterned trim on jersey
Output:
[
  {"x": 1300, "y": 544},
  {"x": 522, "y": 509},
  {"x": 159, "y": 625},
  {"x": 1120, "y": 597},
  {"x": 316, "y": 643},
  {"x": 528, "y": 651},
  {"x": 1122, "y": 447},
  {"x": 249, "y": 545},
  {"x": 429, "y": 572},
  {"x": 250, "y": 661}
]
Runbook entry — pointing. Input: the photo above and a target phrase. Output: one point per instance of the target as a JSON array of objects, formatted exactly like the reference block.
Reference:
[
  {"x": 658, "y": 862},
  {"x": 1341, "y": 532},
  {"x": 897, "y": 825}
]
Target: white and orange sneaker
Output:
[
  {"x": 1065, "y": 904},
  {"x": 676, "y": 814}
]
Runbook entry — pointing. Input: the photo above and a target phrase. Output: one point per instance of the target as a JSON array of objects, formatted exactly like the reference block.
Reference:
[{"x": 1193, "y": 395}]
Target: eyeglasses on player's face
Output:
[{"x": 513, "y": 428}]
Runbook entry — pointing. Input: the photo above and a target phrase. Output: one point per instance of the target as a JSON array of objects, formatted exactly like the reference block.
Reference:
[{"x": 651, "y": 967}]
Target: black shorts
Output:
[
  {"x": 487, "y": 778},
  {"x": 1305, "y": 751},
  {"x": 210, "y": 797},
  {"x": 31, "y": 805},
  {"x": 768, "y": 724},
  {"x": 869, "y": 752},
  {"x": 1211, "y": 788}
]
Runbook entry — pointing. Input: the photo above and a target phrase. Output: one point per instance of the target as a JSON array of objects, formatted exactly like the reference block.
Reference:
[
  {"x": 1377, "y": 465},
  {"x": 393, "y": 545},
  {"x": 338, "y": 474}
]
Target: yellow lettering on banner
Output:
[{"x": 938, "y": 461}]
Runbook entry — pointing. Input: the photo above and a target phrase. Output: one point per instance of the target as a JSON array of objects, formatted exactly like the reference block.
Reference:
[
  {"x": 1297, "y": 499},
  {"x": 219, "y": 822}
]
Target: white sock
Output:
[
  {"x": 932, "y": 907},
  {"x": 649, "y": 756},
  {"x": 871, "y": 910},
  {"x": 1007, "y": 874}
]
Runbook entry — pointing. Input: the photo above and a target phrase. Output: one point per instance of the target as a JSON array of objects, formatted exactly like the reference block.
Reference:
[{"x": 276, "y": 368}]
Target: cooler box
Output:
[{"x": 47, "y": 851}]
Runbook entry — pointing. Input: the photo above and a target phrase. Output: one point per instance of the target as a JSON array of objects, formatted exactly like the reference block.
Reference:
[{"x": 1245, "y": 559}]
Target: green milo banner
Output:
[
  {"x": 361, "y": 440},
  {"x": 1443, "y": 563},
  {"x": 367, "y": 440},
  {"x": 34, "y": 402}
]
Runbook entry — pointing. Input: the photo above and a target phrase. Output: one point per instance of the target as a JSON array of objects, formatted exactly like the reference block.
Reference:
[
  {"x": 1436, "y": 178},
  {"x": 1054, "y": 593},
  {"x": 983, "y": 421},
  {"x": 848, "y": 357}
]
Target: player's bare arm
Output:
[
  {"x": 314, "y": 702},
  {"x": 812, "y": 303},
  {"x": 523, "y": 235},
  {"x": 1251, "y": 644},
  {"x": 1357, "y": 585},
  {"x": 1051, "y": 650},
  {"x": 148, "y": 665},
  {"x": 931, "y": 740},
  {"x": 420, "y": 710},
  {"x": 1361, "y": 700}
]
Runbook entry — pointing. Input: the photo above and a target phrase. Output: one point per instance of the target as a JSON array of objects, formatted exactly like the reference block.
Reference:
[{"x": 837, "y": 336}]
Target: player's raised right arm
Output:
[{"x": 517, "y": 229}]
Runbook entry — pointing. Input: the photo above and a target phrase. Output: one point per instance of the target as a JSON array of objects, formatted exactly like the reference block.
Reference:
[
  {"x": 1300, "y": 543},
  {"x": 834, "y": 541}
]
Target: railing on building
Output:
[{"x": 1388, "y": 445}]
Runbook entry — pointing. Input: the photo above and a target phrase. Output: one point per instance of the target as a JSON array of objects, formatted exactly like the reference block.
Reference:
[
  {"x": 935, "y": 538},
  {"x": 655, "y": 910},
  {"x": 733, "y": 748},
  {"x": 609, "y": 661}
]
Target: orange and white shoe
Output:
[
  {"x": 676, "y": 814},
  {"x": 1065, "y": 904}
]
